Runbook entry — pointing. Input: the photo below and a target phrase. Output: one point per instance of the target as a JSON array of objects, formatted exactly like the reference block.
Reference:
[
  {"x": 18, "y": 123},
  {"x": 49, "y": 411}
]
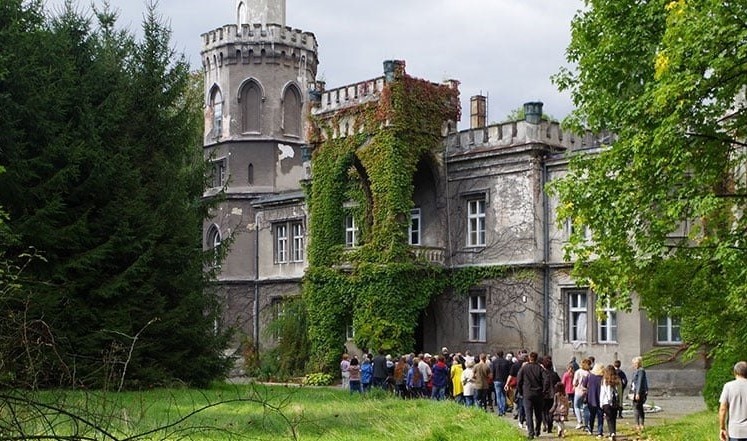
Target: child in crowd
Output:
[{"x": 559, "y": 409}]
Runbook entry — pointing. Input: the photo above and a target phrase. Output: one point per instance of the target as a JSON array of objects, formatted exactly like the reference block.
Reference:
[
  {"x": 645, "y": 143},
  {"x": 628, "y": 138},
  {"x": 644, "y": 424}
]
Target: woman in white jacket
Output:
[
  {"x": 468, "y": 379},
  {"x": 609, "y": 399}
]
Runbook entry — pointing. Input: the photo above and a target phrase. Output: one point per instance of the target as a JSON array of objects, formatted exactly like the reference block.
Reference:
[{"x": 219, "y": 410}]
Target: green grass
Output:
[{"x": 283, "y": 413}]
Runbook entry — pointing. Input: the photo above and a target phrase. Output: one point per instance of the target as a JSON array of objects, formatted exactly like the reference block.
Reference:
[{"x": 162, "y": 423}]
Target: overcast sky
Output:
[{"x": 505, "y": 49}]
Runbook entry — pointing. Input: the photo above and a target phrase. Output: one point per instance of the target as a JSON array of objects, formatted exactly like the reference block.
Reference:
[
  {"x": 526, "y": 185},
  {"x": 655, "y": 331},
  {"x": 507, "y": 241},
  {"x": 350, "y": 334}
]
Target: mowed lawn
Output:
[{"x": 275, "y": 413}]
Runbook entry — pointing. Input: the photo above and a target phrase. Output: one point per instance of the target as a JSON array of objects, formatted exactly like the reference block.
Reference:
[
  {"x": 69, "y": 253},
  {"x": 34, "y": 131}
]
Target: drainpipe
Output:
[
  {"x": 545, "y": 259},
  {"x": 255, "y": 320}
]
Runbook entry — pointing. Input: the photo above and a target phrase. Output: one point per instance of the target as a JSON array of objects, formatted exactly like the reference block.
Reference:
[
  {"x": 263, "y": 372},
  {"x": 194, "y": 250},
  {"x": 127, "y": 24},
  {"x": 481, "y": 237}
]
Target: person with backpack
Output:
[
  {"x": 559, "y": 409},
  {"x": 609, "y": 399}
]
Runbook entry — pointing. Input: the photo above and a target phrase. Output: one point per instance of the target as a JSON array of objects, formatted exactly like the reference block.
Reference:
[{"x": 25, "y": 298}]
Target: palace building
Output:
[{"x": 478, "y": 201}]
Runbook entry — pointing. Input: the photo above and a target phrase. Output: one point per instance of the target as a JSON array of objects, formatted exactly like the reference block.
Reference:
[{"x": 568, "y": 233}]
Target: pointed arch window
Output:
[
  {"x": 250, "y": 174},
  {"x": 213, "y": 243},
  {"x": 292, "y": 111},
  {"x": 251, "y": 100},
  {"x": 216, "y": 105}
]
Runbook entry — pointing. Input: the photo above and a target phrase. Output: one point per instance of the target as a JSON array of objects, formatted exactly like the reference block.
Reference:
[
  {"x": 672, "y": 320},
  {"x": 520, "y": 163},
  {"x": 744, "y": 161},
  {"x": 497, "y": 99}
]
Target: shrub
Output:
[
  {"x": 318, "y": 379},
  {"x": 721, "y": 372}
]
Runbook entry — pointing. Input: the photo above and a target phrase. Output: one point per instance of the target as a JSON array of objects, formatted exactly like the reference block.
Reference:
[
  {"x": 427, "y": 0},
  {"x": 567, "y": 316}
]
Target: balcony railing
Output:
[{"x": 429, "y": 254}]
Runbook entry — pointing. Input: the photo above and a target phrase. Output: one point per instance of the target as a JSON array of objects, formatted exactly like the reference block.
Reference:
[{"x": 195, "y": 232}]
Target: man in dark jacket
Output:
[
  {"x": 379, "y": 370},
  {"x": 500, "y": 368},
  {"x": 531, "y": 383}
]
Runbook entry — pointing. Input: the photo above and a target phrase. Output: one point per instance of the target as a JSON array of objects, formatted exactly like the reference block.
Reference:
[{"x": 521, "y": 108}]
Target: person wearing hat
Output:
[{"x": 593, "y": 390}]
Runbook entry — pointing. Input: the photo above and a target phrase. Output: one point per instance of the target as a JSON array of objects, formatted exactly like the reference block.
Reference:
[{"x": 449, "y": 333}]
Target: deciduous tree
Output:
[{"x": 665, "y": 196}]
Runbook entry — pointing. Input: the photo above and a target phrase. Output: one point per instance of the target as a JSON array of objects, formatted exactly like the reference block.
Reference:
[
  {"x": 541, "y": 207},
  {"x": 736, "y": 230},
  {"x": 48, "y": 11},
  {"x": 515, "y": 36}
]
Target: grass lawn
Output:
[{"x": 285, "y": 413}]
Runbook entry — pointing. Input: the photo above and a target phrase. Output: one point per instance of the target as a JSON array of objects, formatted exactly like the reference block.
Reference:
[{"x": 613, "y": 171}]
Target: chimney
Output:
[
  {"x": 393, "y": 69},
  {"x": 533, "y": 112},
  {"x": 478, "y": 111}
]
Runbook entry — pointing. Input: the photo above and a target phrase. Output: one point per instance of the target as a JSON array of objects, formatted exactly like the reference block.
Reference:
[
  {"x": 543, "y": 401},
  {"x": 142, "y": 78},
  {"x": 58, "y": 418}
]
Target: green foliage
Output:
[
  {"x": 720, "y": 372},
  {"x": 462, "y": 279},
  {"x": 101, "y": 143},
  {"x": 378, "y": 287},
  {"x": 663, "y": 76},
  {"x": 291, "y": 332},
  {"x": 318, "y": 379}
]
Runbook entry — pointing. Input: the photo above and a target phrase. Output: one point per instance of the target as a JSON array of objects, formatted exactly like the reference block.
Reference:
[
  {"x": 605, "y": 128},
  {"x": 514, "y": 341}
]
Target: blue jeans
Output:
[
  {"x": 438, "y": 393},
  {"x": 500, "y": 397},
  {"x": 355, "y": 386},
  {"x": 595, "y": 413},
  {"x": 469, "y": 400},
  {"x": 578, "y": 408}
]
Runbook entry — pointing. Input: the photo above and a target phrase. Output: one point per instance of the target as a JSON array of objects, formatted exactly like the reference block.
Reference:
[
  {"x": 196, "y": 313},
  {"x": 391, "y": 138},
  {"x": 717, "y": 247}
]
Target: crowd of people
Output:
[{"x": 523, "y": 385}]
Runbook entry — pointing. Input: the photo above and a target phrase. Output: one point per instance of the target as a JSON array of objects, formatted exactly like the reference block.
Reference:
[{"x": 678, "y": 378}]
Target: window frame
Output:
[
  {"x": 219, "y": 172},
  {"x": 575, "y": 313},
  {"x": 289, "y": 238},
  {"x": 216, "y": 104},
  {"x": 476, "y": 221},
  {"x": 214, "y": 239},
  {"x": 669, "y": 326},
  {"x": 608, "y": 326},
  {"x": 415, "y": 228},
  {"x": 477, "y": 317},
  {"x": 351, "y": 232}
]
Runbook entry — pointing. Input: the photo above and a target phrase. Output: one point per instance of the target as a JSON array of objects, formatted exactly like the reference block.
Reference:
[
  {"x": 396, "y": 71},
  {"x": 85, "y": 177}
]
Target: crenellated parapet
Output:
[
  {"x": 258, "y": 34},
  {"x": 349, "y": 96},
  {"x": 255, "y": 43},
  {"x": 513, "y": 133}
]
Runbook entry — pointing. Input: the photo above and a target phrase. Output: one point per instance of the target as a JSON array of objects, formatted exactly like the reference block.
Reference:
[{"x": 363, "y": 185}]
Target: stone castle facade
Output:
[{"x": 482, "y": 204}]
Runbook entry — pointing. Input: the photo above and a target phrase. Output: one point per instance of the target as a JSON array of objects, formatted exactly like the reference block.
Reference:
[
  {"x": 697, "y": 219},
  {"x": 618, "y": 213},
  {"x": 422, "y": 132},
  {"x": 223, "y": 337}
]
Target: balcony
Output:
[{"x": 429, "y": 254}]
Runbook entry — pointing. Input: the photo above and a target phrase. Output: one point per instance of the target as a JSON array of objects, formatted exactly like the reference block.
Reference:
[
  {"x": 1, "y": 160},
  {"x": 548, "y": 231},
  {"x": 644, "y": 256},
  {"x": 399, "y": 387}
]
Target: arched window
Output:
[
  {"x": 250, "y": 174},
  {"x": 216, "y": 104},
  {"x": 292, "y": 111},
  {"x": 251, "y": 100},
  {"x": 213, "y": 242}
]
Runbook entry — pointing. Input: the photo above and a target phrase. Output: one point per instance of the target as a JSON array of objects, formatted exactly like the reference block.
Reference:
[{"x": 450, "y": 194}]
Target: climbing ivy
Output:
[{"x": 378, "y": 287}]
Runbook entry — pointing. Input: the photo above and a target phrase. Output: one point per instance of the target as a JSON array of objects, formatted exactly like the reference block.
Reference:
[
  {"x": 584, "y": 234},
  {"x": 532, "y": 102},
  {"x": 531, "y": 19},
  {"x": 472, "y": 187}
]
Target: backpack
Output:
[{"x": 615, "y": 399}]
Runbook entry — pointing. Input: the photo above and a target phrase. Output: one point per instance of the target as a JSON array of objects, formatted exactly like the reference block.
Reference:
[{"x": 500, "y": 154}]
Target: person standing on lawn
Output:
[{"x": 733, "y": 406}]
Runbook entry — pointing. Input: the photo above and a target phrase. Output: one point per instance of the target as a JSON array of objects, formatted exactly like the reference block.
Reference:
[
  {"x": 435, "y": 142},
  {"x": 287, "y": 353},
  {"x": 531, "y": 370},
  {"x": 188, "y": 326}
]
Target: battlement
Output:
[
  {"x": 232, "y": 34},
  {"x": 350, "y": 95},
  {"x": 516, "y": 133}
]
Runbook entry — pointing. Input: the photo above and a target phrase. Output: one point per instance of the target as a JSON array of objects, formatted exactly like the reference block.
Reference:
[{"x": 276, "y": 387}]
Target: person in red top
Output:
[{"x": 567, "y": 380}]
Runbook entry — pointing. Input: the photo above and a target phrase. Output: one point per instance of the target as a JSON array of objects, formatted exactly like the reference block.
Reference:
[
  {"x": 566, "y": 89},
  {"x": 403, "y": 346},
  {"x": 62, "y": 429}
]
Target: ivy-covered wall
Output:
[{"x": 379, "y": 286}]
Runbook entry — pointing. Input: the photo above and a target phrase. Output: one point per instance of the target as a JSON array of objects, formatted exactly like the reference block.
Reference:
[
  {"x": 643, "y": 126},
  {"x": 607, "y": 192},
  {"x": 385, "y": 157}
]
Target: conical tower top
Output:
[{"x": 260, "y": 12}]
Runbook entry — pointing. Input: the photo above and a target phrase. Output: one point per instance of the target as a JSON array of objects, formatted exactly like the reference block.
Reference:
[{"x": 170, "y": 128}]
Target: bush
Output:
[
  {"x": 318, "y": 379},
  {"x": 721, "y": 372}
]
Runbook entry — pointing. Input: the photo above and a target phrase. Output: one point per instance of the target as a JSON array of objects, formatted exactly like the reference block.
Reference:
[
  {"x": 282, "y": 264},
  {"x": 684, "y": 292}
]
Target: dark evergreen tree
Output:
[{"x": 105, "y": 180}]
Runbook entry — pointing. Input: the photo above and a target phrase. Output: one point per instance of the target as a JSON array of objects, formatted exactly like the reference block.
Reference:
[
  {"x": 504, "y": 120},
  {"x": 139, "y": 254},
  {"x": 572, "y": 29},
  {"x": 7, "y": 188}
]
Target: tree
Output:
[
  {"x": 665, "y": 197},
  {"x": 101, "y": 142}
]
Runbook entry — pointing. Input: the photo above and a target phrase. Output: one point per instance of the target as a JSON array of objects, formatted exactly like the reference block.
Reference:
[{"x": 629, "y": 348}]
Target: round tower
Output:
[{"x": 257, "y": 75}]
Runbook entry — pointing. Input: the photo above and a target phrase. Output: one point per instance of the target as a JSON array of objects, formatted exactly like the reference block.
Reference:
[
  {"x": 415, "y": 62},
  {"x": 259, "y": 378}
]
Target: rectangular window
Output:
[
  {"x": 668, "y": 330},
  {"x": 218, "y": 173},
  {"x": 577, "y": 315},
  {"x": 476, "y": 222},
  {"x": 570, "y": 228},
  {"x": 414, "y": 229},
  {"x": 281, "y": 241},
  {"x": 351, "y": 232},
  {"x": 289, "y": 248},
  {"x": 477, "y": 317},
  {"x": 607, "y": 328},
  {"x": 298, "y": 241},
  {"x": 278, "y": 310}
]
